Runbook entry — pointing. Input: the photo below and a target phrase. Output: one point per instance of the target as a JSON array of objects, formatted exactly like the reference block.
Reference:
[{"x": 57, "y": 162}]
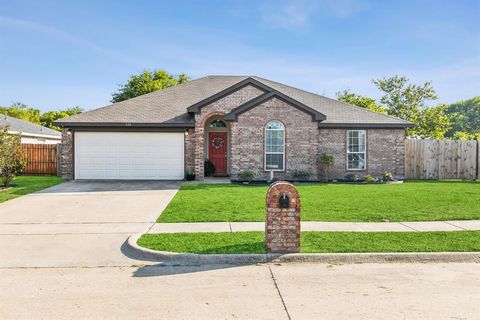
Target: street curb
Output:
[{"x": 189, "y": 259}]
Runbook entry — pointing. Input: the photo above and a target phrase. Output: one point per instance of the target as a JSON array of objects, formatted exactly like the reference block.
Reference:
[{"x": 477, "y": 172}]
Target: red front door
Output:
[{"x": 217, "y": 151}]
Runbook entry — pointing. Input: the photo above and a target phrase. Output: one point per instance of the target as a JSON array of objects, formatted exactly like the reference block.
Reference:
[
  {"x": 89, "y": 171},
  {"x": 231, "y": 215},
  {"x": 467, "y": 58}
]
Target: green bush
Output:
[
  {"x": 190, "y": 176},
  {"x": 11, "y": 160},
  {"x": 369, "y": 179},
  {"x": 325, "y": 161},
  {"x": 301, "y": 175},
  {"x": 209, "y": 168},
  {"x": 351, "y": 177},
  {"x": 387, "y": 176},
  {"x": 246, "y": 176}
]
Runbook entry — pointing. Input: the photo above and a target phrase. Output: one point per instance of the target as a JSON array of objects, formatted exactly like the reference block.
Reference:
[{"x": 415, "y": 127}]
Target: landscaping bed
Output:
[
  {"x": 22, "y": 185},
  {"x": 409, "y": 201},
  {"x": 315, "y": 242}
]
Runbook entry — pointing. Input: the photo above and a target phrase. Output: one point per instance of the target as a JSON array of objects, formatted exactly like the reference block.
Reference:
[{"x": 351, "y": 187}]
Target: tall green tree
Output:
[
  {"x": 465, "y": 118},
  {"x": 359, "y": 101},
  {"x": 403, "y": 99},
  {"x": 432, "y": 123},
  {"x": 409, "y": 101},
  {"x": 147, "y": 81}
]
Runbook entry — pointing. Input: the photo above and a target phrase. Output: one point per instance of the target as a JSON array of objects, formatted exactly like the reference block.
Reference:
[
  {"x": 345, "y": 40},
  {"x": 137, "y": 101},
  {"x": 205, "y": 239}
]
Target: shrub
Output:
[
  {"x": 325, "y": 161},
  {"x": 209, "y": 168},
  {"x": 246, "y": 176},
  {"x": 301, "y": 174},
  {"x": 190, "y": 174},
  {"x": 369, "y": 179},
  {"x": 387, "y": 176},
  {"x": 351, "y": 177},
  {"x": 11, "y": 160}
]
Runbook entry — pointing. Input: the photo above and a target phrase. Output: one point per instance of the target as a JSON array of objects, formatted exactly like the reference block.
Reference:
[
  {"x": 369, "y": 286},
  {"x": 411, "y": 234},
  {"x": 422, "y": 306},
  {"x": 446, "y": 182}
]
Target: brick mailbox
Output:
[{"x": 282, "y": 224}]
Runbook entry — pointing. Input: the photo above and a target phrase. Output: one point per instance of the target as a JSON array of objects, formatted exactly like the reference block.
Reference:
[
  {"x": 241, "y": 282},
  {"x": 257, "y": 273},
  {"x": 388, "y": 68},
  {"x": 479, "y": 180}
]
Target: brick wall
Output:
[
  {"x": 219, "y": 107},
  {"x": 333, "y": 141},
  {"x": 248, "y": 135},
  {"x": 304, "y": 141},
  {"x": 385, "y": 151},
  {"x": 66, "y": 155}
]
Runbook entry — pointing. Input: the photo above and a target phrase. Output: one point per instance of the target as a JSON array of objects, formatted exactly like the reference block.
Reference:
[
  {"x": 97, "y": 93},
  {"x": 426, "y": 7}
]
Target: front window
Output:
[
  {"x": 217, "y": 124},
  {"x": 274, "y": 146},
  {"x": 356, "y": 150}
]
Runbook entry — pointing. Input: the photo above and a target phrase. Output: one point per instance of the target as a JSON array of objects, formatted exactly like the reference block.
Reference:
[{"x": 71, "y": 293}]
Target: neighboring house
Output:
[
  {"x": 239, "y": 123},
  {"x": 30, "y": 132}
]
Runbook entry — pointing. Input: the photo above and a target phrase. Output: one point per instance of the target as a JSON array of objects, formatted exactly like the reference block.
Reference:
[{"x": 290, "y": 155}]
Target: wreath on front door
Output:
[{"x": 217, "y": 142}]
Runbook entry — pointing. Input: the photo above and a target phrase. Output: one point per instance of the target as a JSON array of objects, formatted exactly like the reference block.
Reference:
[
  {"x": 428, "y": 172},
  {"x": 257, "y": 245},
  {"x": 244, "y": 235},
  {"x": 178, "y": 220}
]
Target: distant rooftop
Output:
[{"x": 26, "y": 128}]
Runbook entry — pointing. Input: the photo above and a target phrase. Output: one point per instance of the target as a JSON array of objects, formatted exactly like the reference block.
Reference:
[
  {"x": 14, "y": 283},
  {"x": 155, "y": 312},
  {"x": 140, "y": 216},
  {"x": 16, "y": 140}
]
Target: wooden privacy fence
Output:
[
  {"x": 41, "y": 159},
  {"x": 442, "y": 159}
]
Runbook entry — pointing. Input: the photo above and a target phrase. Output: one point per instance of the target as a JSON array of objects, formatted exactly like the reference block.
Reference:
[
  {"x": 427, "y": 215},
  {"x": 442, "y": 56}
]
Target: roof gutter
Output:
[
  {"x": 124, "y": 124},
  {"x": 35, "y": 135},
  {"x": 366, "y": 125}
]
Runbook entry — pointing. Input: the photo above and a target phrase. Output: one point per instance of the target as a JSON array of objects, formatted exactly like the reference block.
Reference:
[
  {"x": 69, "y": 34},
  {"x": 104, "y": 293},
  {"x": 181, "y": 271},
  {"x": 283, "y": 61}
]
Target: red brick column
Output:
[{"x": 282, "y": 224}]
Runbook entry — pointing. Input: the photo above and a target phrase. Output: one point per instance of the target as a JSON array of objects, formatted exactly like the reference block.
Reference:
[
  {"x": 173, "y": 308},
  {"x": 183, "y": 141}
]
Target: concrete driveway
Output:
[{"x": 79, "y": 223}]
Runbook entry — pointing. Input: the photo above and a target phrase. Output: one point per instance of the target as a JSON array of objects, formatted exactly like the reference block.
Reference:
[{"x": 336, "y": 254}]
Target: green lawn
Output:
[
  {"x": 316, "y": 242},
  {"x": 28, "y": 184},
  {"x": 410, "y": 201}
]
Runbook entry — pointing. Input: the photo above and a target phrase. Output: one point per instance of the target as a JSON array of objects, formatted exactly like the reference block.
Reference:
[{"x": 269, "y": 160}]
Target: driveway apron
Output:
[{"x": 79, "y": 223}]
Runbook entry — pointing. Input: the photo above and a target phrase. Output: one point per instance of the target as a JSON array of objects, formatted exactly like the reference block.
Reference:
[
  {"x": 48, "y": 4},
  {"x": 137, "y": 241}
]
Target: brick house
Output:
[{"x": 238, "y": 123}]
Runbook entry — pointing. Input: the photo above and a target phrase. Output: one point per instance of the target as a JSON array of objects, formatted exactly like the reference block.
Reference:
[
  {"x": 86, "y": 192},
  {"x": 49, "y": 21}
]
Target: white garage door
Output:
[{"x": 129, "y": 155}]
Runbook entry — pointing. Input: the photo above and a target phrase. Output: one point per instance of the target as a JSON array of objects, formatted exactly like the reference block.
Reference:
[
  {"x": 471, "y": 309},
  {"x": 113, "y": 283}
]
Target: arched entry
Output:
[{"x": 217, "y": 145}]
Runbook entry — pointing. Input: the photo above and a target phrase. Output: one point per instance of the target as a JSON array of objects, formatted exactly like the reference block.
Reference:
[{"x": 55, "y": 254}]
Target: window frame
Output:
[
  {"x": 265, "y": 146},
  {"x": 350, "y": 152},
  {"x": 210, "y": 125}
]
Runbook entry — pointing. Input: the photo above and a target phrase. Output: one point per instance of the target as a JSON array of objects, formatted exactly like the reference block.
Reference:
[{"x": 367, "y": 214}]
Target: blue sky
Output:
[{"x": 56, "y": 54}]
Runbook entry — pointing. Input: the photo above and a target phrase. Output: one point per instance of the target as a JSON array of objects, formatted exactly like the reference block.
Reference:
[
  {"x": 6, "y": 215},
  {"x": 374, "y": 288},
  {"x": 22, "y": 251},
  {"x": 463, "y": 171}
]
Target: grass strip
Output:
[
  {"x": 316, "y": 242},
  {"x": 22, "y": 185}
]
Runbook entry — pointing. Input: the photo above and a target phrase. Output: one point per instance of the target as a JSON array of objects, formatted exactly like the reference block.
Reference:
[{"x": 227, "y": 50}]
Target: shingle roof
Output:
[
  {"x": 337, "y": 112},
  {"x": 22, "y": 126},
  {"x": 169, "y": 106}
]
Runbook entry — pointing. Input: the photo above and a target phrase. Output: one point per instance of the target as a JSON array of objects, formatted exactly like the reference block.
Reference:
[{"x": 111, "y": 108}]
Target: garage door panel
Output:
[{"x": 122, "y": 155}]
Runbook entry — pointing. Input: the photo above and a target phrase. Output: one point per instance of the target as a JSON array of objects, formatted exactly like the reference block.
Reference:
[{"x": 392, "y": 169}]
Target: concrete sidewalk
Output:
[{"x": 460, "y": 225}]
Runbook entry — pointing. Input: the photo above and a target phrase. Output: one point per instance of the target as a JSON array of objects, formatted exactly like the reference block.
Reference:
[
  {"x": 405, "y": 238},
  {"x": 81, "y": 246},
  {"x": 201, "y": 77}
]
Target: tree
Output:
[
  {"x": 432, "y": 123},
  {"x": 22, "y": 111},
  {"x": 408, "y": 101},
  {"x": 359, "y": 101},
  {"x": 465, "y": 118},
  {"x": 11, "y": 161},
  {"x": 462, "y": 135},
  {"x": 147, "y": 81},
  {"x": 403, "y": 99},
  {"x": 47, "y": 118}
]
